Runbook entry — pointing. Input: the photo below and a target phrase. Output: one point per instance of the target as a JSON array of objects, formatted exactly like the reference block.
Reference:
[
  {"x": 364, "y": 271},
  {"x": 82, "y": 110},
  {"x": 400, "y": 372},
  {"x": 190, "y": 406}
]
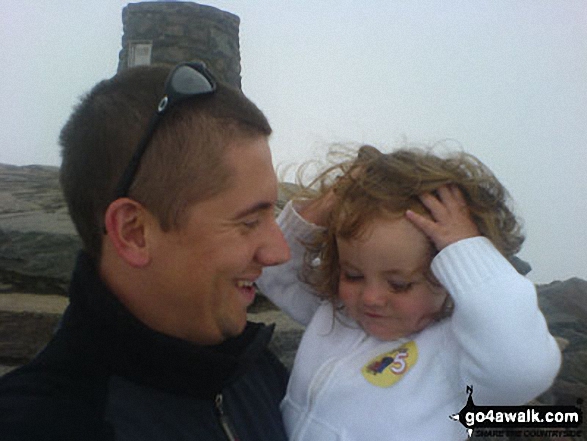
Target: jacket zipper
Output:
[{"x": 225, "y": 422}]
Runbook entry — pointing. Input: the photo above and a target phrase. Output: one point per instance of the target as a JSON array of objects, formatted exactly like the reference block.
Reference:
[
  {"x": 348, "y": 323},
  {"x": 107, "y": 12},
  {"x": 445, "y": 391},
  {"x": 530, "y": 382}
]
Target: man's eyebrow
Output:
[{"x": 259, "y": 206}]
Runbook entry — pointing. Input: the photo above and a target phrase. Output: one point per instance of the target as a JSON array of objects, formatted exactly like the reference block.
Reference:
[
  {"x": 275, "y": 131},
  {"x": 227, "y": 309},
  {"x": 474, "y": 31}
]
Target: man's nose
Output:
[{"x": 274, "y": 249}]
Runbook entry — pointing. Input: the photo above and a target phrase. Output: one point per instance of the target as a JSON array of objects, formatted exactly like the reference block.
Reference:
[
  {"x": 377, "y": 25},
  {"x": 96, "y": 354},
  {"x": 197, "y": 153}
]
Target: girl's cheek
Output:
[
  {"x": 346, "y": 294},
  {"x": 342, "y": 292}
]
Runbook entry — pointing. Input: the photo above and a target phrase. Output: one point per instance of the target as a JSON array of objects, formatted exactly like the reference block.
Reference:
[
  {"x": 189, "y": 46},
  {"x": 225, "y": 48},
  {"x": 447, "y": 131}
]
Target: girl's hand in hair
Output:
[
  {"x": 318, "y": 210},
  {"x": 451, "y": 220}
]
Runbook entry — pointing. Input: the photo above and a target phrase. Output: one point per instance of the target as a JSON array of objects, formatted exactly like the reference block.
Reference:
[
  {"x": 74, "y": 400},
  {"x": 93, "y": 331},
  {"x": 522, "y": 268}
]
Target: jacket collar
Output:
[{"x": 110, "y": 336}]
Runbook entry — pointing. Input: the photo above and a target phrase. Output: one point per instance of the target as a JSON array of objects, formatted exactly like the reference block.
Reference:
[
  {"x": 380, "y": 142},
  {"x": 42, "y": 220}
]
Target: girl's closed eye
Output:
[
  {"x": 351, "y": 276},
  {"x": 399, "y": 286}
]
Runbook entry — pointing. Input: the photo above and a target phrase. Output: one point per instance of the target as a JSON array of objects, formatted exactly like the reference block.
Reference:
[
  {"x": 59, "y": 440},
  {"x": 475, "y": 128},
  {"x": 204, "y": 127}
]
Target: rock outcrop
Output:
[
  {"x": 565, "y": 306},
  {"x": 38, "y": 242}
]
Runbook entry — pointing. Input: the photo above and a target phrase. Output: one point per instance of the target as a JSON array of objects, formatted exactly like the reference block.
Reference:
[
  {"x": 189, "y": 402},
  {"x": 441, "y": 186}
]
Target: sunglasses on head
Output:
[{"x": 186, "y": 80}]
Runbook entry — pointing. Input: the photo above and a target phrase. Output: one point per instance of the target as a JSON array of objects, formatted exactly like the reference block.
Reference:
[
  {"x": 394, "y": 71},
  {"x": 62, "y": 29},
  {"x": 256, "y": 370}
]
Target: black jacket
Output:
[{"x": 106, "y": 376}]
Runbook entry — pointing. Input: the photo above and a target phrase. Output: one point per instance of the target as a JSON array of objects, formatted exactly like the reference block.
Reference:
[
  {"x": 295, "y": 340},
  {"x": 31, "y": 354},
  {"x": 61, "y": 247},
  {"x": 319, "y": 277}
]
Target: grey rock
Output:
[
  {"x": 38, "y": 242},
  {"x": 565, "y": 301},
  {"x": 564, "y": 304},
  {"x": 287, "y": 334}
]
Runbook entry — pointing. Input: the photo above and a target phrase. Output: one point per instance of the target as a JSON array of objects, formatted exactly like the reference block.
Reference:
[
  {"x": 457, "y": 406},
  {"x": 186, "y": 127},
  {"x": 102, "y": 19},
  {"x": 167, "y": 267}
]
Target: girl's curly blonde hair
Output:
[{"x": 373, "y": 184}]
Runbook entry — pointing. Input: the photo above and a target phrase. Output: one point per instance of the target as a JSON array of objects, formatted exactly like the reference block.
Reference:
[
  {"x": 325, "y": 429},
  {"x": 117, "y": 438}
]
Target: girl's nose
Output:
[{"x": 373, "y": 296}]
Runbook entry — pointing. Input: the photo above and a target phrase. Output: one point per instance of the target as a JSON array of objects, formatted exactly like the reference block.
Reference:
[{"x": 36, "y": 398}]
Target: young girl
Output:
[{"x": 408, "y": 298}]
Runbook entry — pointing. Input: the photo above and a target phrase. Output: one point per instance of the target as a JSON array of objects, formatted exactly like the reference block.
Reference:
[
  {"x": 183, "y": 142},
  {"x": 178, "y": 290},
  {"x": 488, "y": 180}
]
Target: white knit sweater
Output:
[{"x": 347, "y": 385}]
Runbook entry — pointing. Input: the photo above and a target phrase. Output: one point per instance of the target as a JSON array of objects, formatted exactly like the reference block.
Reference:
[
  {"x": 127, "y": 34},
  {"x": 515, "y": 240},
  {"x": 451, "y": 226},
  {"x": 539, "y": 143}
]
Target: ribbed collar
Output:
[{"x": 107, "y": 334}]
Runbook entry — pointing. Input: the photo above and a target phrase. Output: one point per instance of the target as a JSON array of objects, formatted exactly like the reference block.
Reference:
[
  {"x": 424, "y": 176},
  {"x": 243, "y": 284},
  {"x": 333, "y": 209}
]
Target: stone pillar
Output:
[{"x": 165, "y": 32}]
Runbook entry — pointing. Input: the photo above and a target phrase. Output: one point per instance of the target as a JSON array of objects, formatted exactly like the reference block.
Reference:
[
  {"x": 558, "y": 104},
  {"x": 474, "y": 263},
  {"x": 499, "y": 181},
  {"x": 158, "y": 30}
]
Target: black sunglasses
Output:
[{"x": 186, "y": 80}]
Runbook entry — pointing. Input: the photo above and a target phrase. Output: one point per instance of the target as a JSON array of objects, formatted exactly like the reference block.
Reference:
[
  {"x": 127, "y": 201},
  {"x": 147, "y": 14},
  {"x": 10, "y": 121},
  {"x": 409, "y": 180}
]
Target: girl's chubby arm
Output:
[
  {"x": 299, "y": 222},
  {"x": 504, "y": 347}
]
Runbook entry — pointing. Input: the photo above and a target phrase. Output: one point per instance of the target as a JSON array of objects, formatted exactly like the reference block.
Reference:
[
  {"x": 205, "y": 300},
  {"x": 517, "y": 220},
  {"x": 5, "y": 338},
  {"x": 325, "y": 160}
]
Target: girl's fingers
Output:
[
  {"x": 427, "y": 226},
  {"x": 451, "y": 220},
  {"x": 318, "y": 210},
  {"x": 450, "y": 201},
  {"x": 433, "y": 204},
  {"x": 452, "y": 197},
  {"x": 458, "y": 194}
]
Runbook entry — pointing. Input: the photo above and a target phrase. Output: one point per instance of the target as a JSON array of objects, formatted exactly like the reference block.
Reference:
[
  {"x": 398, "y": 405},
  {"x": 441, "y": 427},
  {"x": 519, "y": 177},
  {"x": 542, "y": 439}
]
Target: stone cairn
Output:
[{"x": 171, "y": 32}]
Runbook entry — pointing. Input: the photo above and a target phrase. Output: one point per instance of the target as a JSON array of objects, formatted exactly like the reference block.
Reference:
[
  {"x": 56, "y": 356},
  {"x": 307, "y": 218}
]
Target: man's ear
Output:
[{"x": 125, "y": 222}]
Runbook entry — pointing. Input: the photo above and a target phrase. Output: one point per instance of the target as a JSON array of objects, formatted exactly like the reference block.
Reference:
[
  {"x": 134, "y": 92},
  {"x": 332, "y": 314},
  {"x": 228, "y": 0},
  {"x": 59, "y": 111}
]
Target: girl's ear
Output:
[{"x": 125, "y": 223}]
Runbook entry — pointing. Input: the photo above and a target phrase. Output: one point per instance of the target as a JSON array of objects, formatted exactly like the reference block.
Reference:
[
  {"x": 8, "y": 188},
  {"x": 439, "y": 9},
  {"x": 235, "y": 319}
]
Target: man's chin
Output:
[{"x": 236, "y": 327}]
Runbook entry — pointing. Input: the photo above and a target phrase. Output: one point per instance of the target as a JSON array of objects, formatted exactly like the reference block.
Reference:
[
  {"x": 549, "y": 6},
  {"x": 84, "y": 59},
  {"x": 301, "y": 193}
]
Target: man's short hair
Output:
[{"x": 183, "y": 163}]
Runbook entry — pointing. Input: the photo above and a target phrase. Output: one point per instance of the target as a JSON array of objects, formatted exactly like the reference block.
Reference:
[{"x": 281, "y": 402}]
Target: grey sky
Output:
[{"x": 507, "y": 79}]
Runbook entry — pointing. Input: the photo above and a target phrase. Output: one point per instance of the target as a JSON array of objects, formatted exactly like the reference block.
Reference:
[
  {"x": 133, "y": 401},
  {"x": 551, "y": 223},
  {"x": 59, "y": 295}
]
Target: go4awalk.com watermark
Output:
[{"x": 521, "y": 421}]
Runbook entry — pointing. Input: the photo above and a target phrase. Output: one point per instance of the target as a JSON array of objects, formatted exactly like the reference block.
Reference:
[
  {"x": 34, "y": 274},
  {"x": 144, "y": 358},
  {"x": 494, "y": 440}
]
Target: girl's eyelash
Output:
[
  {"x": 349, "y": 276},
  {"x": 400, "y": 287}
]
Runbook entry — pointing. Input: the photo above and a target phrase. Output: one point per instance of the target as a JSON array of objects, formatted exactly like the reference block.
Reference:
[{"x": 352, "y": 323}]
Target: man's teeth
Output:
[{"x": 244, "y": 284}]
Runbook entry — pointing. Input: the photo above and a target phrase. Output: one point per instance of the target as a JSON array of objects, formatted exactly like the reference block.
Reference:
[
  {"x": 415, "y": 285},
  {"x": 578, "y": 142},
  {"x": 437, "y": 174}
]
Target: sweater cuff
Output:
[
  {"x": 469, "y": 263},
  {"x": 295, "y": 226}
]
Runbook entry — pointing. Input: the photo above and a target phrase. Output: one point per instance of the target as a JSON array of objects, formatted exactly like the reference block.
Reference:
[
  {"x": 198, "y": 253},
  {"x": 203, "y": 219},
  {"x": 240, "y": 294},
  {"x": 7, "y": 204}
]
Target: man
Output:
[{"x": 173, "y": 199}]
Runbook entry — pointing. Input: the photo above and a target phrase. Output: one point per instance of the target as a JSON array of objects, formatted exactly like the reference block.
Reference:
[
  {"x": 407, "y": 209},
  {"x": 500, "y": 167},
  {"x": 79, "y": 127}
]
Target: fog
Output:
[{"x": 506, "y": 80}]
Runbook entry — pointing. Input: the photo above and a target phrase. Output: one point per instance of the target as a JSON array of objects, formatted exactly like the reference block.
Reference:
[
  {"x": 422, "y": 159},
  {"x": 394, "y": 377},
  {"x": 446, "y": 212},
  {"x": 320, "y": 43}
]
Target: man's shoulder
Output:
[{"x": 49, "y": 400}]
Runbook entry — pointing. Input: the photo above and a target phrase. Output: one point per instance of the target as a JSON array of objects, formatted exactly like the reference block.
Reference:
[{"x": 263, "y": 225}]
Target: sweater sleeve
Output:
[
  {"x": 504, "y": 348},
  {"x": 281, "y": 283}
]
